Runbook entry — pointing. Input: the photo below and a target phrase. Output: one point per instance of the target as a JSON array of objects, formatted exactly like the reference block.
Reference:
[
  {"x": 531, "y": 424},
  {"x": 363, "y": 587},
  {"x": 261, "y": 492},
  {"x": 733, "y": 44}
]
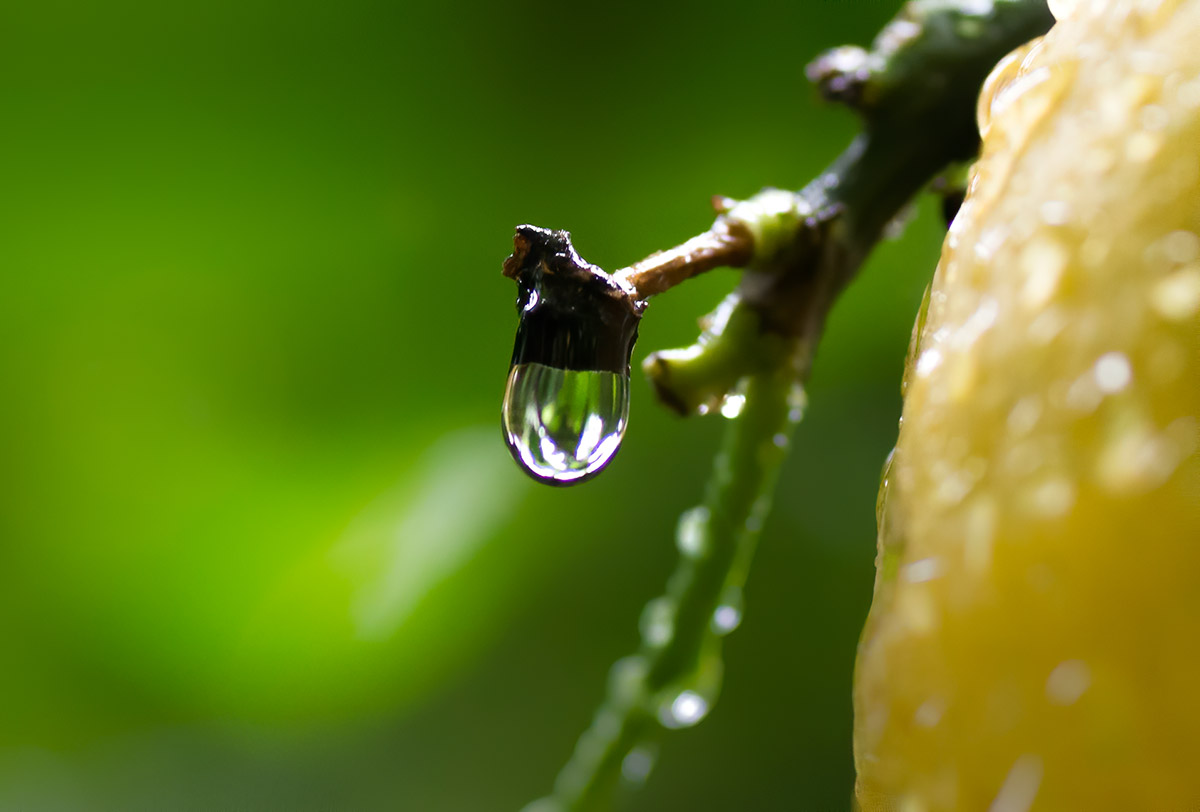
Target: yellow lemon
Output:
[{"x": 1034, "y": 641}]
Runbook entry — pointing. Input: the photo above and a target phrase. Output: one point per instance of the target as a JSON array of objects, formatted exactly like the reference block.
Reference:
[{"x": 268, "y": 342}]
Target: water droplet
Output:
[
  {"x": 728, "y": 615},
  {"x": 1177, "y": 297},
  {"x": 930, "y": 360},
  {"x": 1112, "y": 372},
  {"x": 1001, "y": 76},
  {"x": 1181, "y": 247},
  {"x": 978, "y": 533},
  {"x": 627, "y": 678},
  {"x": 1027, "y": 97},
  {"x": 726, "y": 619},
  {"x": 562, "y": 425},
  {"x": 1020, "y": 787},
  {"x": 636, "y": 766},
  {"x": 732, "y": 405},
  {"x": 1056, "y": 212},
  {"x": 1189, "y": 94},
  {"x": 1067, "y": 682},
  {"x": 953, "y": 485},
  {"x": 1083, "y": 395},
  {"x": 926, "y": 569},
  {"x": 657, "y": 622},
  {"x": 1142, "y": 146},
  {"x": 1024, "y": 415},
  {"x": 930, "y": 712},
  {"x": 1136, "y": 458},
  {"x": 1153, "y": 117},
  {"x": 1043, "y": 261},
  {"x": 797, "y": 401},
  {"x": 691, "y": 536},
  {"x": 1053, "y": 496},
  {"x": 687, "y": 708}
]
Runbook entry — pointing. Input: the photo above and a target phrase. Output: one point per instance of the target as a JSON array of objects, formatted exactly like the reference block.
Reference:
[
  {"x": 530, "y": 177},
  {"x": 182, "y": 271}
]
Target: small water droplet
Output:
[
  {"x": 1002, "y": 75},
  {"x": 728, "y": 615},
  {"x": 732, "y": 405},
  {"x": 1055, "y": 212},
  {"x": 1181, "y": 247},
  {"x": 1083, "y": 395},
  {"x": 1154, "y": 117},
  {"x": 691, "y": 536},
  {"x": 636, "y": 766},
  {"x": 1136, "y": 458},
  {"x": 1177, "y": 297},
  {"x": 926, "y": 569},
  {"x": 627, "y": 678},
  {"x": 917, "y": 610},
  {"x": 563, "y": 425},
  {"x": 687, "y": 708},
  {"x": 1189, "y": 94},
  {"x": 1020, "y": 786},
  {"x": 930, "y": 360},
  {"x": 1142, "y": 146},
  {"x": 797, "y": 401},
  {"x": 1068, "y": 681},
  {"x": 1112, "y": 372},
  {"x": 1043, "y": 261},
  {"x": 1051, "y": 497},
  {"x": 726, "y": 619},
  {"x": 978, "y": 533},
  {"x": 658, "y": 622},
  {"x": 930, "y": 712},
  {"x": 1024, "y": 415}
]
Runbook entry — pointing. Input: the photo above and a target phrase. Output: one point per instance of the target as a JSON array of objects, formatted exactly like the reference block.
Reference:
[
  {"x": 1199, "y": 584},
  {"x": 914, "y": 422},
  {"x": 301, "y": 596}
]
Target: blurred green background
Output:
[{"x": 261, "y": 545}]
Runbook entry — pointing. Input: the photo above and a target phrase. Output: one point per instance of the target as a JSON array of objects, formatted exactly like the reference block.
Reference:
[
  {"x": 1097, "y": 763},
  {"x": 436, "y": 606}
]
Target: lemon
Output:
[{"x": 1034, "y": 640}]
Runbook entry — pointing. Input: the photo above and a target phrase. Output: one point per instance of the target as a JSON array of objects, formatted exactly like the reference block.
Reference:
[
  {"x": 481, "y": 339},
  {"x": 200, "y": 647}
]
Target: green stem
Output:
[{"x": 675, "y": 676}]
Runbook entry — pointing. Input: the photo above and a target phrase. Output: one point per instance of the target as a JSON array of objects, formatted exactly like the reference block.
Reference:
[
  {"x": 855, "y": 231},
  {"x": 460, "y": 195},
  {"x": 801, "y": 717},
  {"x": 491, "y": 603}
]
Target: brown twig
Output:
[{"x": 725, "y": 244}]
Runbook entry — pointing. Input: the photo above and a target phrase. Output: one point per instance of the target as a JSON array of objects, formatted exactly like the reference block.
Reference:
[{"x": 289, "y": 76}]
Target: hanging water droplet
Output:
[
  {"x": 564, "y": 425},
  {"x": 566, "y": 403}
]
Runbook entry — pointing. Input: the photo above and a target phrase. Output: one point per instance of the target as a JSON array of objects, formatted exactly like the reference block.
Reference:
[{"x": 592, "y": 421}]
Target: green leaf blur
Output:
[{"x": 261, "y": 544}]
